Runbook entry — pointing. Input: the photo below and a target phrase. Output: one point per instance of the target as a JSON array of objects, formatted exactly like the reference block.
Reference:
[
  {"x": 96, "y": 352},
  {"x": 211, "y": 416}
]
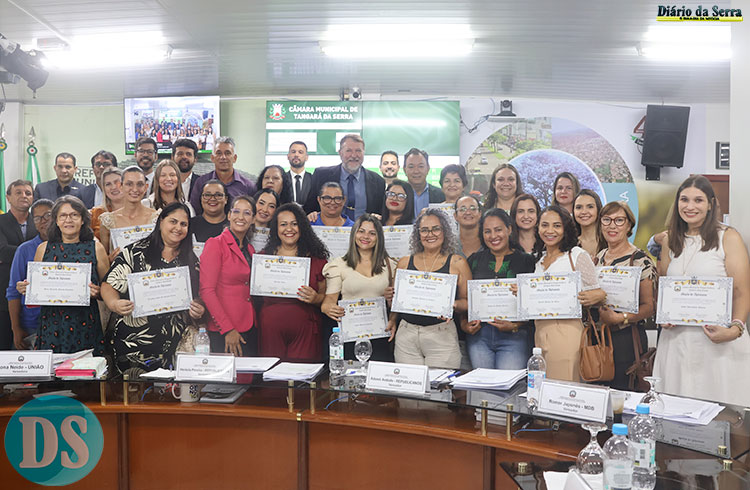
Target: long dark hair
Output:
[
  {"x": 503, "y": 216},
  {"x": 490, "y": 199},
  {"x": 286, "y": 184},
  {"x": 514, "y": 214},
  {"x": 570, "y": 177},
  {"x": 308, "y": 244},
  {"x": 408, "y": 217},
  {"x": 155, "y": 244},
  {"x": 709, "y": 229},
  {"x": 379, "y": 255},
  {"x": 570, "y": 236},
  {"x": 86, "y": 234},
  {"x": 600, "y": 242}
]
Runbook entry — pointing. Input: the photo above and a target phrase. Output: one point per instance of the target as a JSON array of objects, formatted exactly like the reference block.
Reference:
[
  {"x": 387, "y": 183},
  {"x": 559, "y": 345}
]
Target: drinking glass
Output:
[
  {"x": 653, "y": 398},
  {"x": 590, "y": 460},
  {"x": 363, "y": 351}
]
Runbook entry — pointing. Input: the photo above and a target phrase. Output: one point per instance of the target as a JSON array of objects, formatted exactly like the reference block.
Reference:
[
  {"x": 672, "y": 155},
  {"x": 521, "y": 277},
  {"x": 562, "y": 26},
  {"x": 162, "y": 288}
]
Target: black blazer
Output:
[
  {"x": 10, "y": 239},
  {"x": 88, "y": 195},
  {"x": 374, "y": 188},
  {"x": 436, "y": 194},
  {"x": 306, "y": 189},
  {"x": 48, "y": 190},
  {"x": 193, "y": 180}
]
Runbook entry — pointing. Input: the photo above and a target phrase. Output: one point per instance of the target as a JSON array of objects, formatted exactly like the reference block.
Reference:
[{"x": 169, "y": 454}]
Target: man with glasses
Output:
[
  {"x": 15, "y": 228},
  {"x": 25, "y": 321},
  {"x": 213, "y": 220},
  {"x": 331, "y": 200},
  {"x": 184, "y": 153},
  {"x": 65, "y": 183},
  {"x": 417, "y": 167},
  {"x": 145, "y": 156},
  {"x": 93, "y": 194}
]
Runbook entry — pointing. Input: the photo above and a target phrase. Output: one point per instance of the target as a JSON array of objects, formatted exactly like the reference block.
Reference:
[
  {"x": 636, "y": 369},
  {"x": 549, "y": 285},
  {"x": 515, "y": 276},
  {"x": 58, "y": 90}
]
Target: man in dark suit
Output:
[
  {"x": 64, "y": 184},
  {"x": 301, "y": 179},
  {"x": 16, "y": 226},
  {"x": 93, "y": 194},
  {"x": 364, "y": 190},
  {"x": 184, "y": 153},
  {"x": 416, "y": 168}
]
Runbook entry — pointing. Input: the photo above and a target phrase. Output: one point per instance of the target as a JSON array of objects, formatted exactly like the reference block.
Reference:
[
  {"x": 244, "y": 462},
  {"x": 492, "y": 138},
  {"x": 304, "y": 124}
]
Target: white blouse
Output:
[{"x": 583, "y": 264}]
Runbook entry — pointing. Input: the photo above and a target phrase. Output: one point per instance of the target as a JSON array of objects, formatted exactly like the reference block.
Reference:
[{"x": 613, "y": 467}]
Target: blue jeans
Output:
[{"x": 491, "y": 348}]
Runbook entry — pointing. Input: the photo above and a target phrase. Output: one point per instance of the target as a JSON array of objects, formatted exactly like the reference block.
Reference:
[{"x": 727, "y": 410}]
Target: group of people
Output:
[{"x": 500, "y": 236}]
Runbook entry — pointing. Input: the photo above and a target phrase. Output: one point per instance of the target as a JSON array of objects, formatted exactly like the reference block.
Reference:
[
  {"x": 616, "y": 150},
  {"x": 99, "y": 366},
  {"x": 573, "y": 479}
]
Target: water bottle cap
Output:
[
  {"x": 336, "y": 329},
  {"x": 620, "y": 429},
  {"x": 537, "y": 351},
  {"x": 202, "y": 330},
  {"x": 643, "y": 408}
]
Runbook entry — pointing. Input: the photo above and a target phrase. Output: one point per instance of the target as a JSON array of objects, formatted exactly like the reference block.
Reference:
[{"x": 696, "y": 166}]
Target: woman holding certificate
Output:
[
  {"x": 617, "y": 222},
  {"x": 365, "y": 272},
  {"x": 290, "y": 328},
  {"x": 225, "y": 286},
  {"x": 560, "y": 339},
  {"x": 149, "y": 342},
  {"x": 429, "y": 339},
  {"x": 498, "y": 344},
  {"x": 705, "y": 361},
  {"x": 67, "y": 328}
]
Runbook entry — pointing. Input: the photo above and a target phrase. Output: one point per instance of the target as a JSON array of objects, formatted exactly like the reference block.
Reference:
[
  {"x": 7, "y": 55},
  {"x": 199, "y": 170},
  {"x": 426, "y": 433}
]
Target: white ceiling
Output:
[{"x": 563, "y": 49}]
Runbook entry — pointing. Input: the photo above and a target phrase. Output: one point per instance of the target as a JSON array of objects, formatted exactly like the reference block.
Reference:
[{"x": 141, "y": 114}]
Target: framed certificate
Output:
[
  {"x": 278, "y": 276},
  {"x": 122, "y": 237},
  {"x": 694, "y": 300},
  {"x": 58, "y": 284},
  {"x": 491, "y": 299},
  {"x": 260, "y": 238},
  {"x": 363, "y": 318},
  {"x": 397, "y": 240},
  {"x": 424, "y": 293},
  {"x": 160, "y": 291},
  {"x": 549, "y": 295},
  {"x": 622, "y": 285},
  {"x": 336, "y": 238}
]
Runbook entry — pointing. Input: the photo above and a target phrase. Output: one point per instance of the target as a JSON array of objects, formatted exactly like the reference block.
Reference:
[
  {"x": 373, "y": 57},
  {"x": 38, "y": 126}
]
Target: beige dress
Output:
[
  {"x": 109, "y": 222},
  {"x": 560, "y": 340}
]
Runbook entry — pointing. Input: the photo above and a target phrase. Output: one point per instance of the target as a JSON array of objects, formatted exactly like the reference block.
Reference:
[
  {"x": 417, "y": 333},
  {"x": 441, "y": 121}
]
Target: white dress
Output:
[{"x": 687, "y": 362}]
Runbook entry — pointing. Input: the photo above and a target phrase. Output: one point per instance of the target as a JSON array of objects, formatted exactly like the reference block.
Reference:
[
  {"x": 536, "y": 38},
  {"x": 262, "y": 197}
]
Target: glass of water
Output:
[{"x": 363, "y": 351}]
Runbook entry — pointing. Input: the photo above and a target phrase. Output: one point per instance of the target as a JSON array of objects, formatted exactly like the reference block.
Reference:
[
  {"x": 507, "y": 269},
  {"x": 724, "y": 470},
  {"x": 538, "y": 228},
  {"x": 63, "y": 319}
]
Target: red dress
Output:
[{"x": 289, "y": 328}]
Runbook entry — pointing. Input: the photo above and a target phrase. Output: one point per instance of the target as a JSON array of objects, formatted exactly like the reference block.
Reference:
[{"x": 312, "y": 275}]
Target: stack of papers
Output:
[
  {"x": 678, "y": 409},
  {"x": 58, "y": 359},
  {"x": 254, "y": 364},
  {"x": 489, "y": 379},
  {"x": 293, "y": 371},
  {"x": 440, "y": 376},
  {"x": 83, "y": 368},
  {"x": 159, "y": 373}
]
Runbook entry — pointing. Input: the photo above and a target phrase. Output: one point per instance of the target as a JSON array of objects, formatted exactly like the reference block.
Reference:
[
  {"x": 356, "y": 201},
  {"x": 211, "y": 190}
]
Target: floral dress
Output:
[{"x": 148, "y": 342}]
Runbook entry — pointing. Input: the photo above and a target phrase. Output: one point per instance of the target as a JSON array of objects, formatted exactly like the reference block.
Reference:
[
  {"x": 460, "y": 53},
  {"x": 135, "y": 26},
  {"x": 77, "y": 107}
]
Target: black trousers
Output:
[
  {"x": 6, "y": 332},
  {"x": 249, "y": 348}
]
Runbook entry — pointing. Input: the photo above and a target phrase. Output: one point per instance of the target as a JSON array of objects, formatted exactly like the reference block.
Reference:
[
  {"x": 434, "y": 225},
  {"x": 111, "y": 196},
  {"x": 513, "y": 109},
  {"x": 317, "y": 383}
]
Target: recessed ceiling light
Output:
[{"x": 687, "y": 43}]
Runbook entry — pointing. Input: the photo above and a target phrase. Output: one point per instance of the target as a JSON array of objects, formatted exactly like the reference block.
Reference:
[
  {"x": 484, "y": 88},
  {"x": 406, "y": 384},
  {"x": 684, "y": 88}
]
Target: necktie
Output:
[
  {"x": 350, "y": 199},
  {"x": 297, "y": 188}
]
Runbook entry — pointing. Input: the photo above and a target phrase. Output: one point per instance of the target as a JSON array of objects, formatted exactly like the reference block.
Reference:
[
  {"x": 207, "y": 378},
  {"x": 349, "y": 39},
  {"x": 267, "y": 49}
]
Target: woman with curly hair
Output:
[
  {"x": 290, "y": 328},
  {"x": 560, "y": 340},
  {"x": 273, "y": 177},
  {"x": 424, "y": 339},
  {"x": 505, "y": 185}
]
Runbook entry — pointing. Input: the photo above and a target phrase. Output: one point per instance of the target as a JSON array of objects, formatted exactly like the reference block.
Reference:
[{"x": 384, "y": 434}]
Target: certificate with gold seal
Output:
[
  {"x": 122, "y": 237},
  {"x": 424, "y": 293},
  {"x": 58, "y": 284},
  {"x": 336, "y": 238},
  {"x": 549, "y": 295},
  {"x": 694, "y": 300},
  {"x": 160, "y": 291},
  {"x": 397, "y": 240},
  {"x": 492, "y": 299},
  {"x": 622, "y": 285},
  {"x": 363, "y": 318},
  {"x": 278, "y": 276}
]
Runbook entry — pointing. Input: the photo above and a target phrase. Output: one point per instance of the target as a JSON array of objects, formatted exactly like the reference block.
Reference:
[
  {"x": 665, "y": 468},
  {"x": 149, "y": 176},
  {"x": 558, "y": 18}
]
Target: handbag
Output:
[
  {"x": 643, "y": 365},
  {"x": 597, "y": 354}
]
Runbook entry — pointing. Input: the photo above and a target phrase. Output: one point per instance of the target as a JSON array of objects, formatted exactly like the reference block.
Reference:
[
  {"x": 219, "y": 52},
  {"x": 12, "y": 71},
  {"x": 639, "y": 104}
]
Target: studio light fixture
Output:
[
  {"x": 686, "y": 43},
  {"x": 397, "y": 41},
  {"x": 109, "y": 51}
]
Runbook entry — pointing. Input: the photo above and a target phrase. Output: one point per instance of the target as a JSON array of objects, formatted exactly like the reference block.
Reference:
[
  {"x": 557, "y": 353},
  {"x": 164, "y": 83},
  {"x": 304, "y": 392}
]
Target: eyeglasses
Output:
[
  {"x": 463, "y": 209},
  {"x": 435, "y": 230},
  {"x": 69, "y": 216},
  {"x": 44, "y": 217},
  {"x": 146, "y": 152},
  {"x": 239, "y": 212},
  {"x": 393, "y": 195},
  {"x": 102, "y": 164},
  {"x": 328, "y": 199},
  {"x": 619, "y": 221},
  {"x": 218, "y": 196}
]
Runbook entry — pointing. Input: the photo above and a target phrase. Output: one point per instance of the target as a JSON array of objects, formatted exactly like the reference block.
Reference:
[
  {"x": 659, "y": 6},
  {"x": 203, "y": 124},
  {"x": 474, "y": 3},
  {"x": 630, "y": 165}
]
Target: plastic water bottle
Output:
[
  {"x": 336, "y": 355},
  {"x": 642, "y": 435},
  {"x": 618, "y": 459},
  {"x": 536, "y": 372},
  {"x": 202, "y": 343}
]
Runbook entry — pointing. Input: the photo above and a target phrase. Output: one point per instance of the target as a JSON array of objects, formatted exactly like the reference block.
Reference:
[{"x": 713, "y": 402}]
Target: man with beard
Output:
[
  {"x": 184, "y": 152},
  {"x": 389, "y": 166},
  {"x": 25, "y": 321},
  {"x": 65, "y": 183},
  {"x": 364, "y": 189},
  {"x": 15, "y": 228},
  {"x": 301, "y": 179},
  {"x": 145, "y": 156},
  {"x": 93, "y": 194}
]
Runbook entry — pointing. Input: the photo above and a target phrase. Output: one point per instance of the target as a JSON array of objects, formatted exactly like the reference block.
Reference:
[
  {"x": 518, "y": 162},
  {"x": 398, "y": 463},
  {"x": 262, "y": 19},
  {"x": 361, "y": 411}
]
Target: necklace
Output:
[
  {"x": 686, "y": 263},
  {"x": 424, "y": 261}
]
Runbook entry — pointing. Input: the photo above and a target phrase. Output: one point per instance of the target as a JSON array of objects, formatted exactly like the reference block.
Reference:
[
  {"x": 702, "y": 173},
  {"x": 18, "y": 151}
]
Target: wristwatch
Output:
[{"x": 626, "y": 320}]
